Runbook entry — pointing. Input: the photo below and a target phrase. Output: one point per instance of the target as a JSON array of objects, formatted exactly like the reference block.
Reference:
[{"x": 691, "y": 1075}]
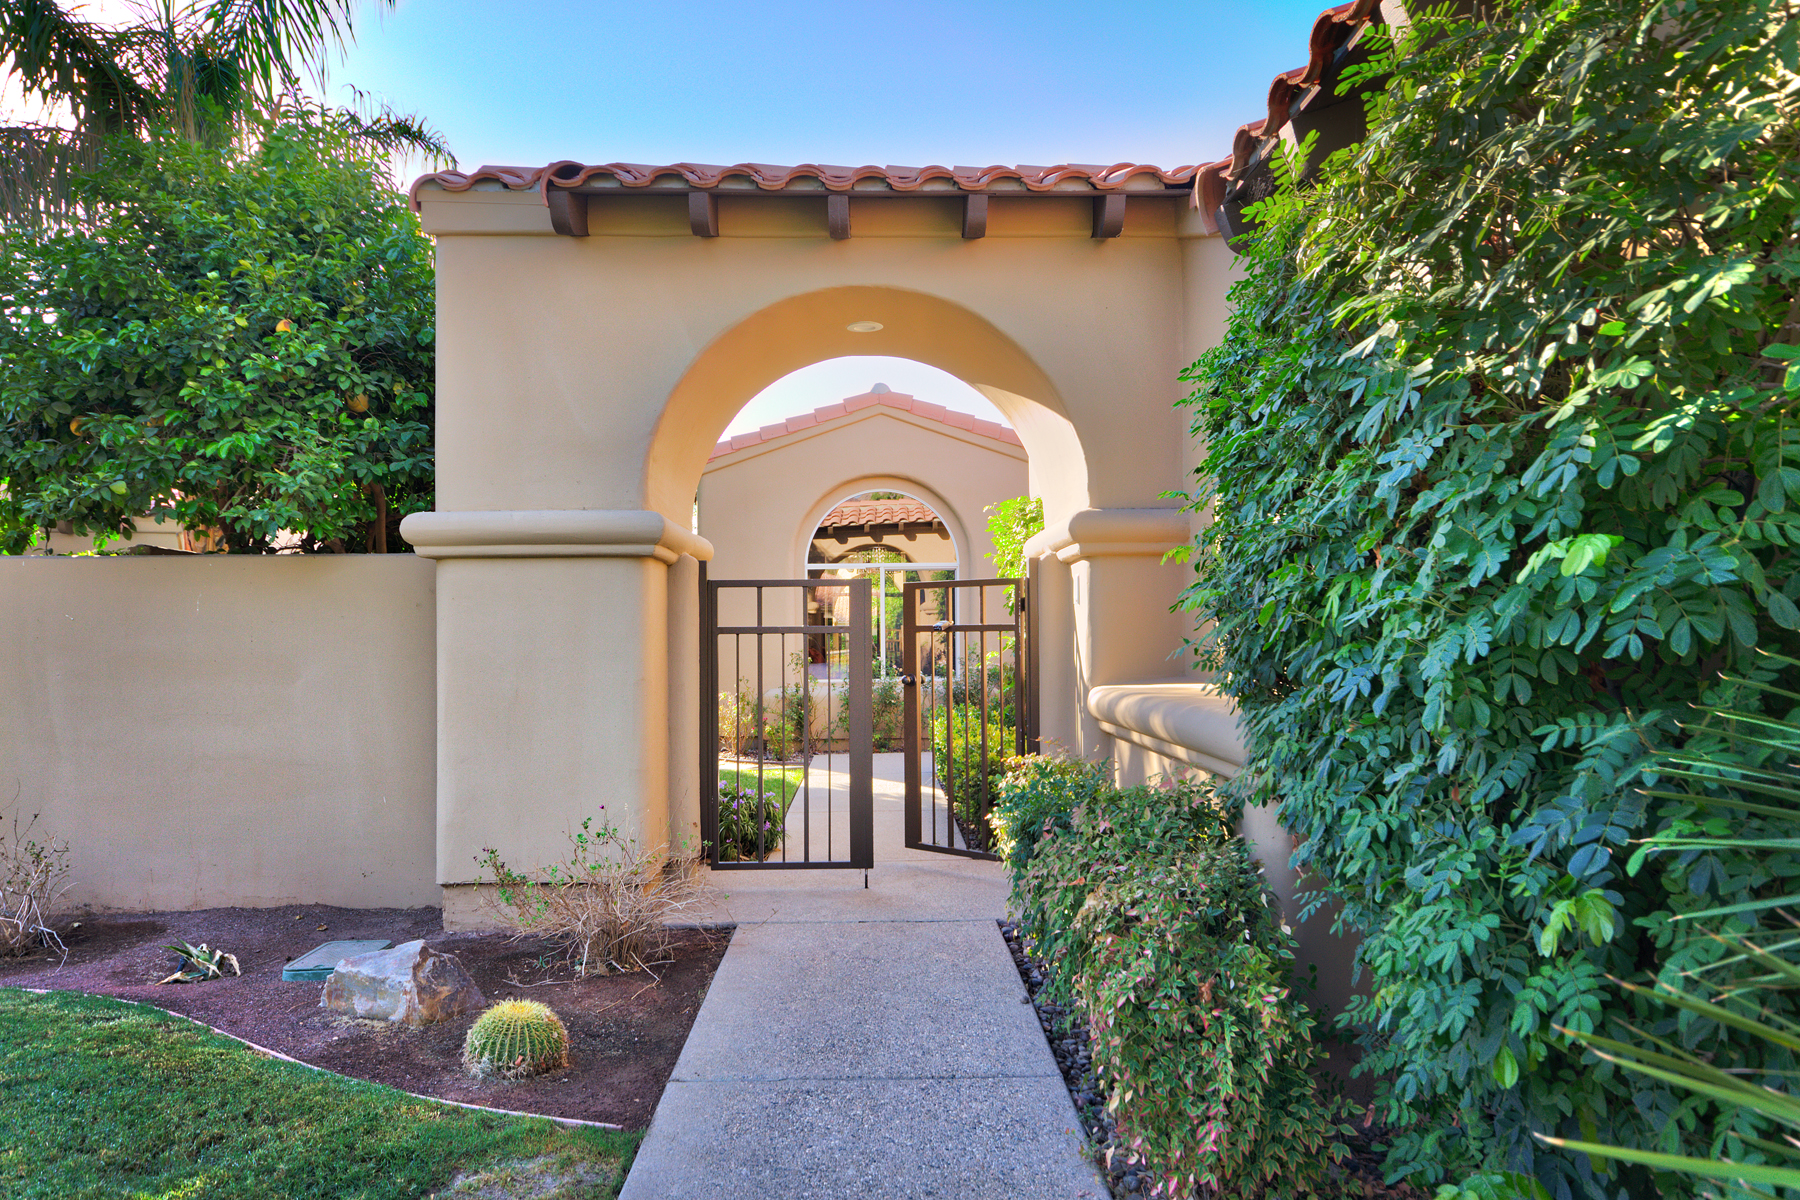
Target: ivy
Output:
[{"x": 1504, "y": 464}]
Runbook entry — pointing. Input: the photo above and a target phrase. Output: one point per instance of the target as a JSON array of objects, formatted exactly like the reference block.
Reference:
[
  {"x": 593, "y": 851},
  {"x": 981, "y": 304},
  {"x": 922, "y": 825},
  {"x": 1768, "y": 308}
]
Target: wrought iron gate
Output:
[
  {"x": 782, "y": 703},
  {"x": 970, "y": 703}
]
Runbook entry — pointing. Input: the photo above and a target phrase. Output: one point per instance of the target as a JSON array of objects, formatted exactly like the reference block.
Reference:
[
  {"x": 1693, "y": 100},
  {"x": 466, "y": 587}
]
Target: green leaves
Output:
[
  {"x": 1591, "y": 913},
  {"x": 1154, "y": 919},
  {"x": 1503, "y": 467},
  {"x": 203, "y": 348}
]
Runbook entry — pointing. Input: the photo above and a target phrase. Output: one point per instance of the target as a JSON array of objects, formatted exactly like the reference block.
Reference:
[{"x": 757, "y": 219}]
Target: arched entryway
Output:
[{"x": 585, "y": 379}]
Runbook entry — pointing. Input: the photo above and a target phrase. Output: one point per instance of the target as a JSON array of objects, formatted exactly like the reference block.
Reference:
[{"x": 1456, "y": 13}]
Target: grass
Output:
[
  {"x": 787, "y": 780},
  {"x": 739, "y": 819},
  {"x": 103, "y": 1099}
]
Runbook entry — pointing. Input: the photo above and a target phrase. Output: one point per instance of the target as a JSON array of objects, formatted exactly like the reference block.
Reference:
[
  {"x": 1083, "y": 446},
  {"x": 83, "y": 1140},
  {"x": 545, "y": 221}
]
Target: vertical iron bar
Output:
[
  {"x": 737, "y": 711},
  {"x": 860, "y": 693},
  {"x": 709, "y": 719},
  {"x": 909, "y": 706},
  {"x": 762, "y": 729},
  {"x": 980, "y": 818}
]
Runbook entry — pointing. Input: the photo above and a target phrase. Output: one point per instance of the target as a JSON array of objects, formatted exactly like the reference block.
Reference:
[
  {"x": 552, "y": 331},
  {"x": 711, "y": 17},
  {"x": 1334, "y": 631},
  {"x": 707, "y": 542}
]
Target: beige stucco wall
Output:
[
  {"x": 642, "y": 335},
  {"x": 760, "y": 505},
  {"x": 224, "y": 730},
  {"x": 596, "y": 374}
]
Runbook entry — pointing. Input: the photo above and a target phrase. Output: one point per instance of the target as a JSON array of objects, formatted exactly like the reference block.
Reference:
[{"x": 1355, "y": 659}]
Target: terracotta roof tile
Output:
[
  {"x": 878, "y": 512},
  {"x": 853, "y": 404},
  {"x": 1331, "y": 31},
  {"x": 1078, "y": 177}
]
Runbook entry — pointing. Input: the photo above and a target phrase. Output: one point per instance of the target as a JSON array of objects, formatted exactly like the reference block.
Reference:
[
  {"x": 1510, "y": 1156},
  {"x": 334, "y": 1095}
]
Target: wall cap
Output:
[
  {"x": 1112, "y": 532},
  {"x": 1192, "y": 722},
  {"x": 552, "y": 533}
]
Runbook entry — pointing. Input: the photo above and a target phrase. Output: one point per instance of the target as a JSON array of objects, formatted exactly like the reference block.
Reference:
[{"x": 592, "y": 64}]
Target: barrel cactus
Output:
[{"x": 516, "y": 1038}]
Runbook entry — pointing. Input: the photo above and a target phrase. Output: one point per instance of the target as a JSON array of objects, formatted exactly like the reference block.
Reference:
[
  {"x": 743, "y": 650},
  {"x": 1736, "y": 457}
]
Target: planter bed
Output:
[{"x": 626, "y": 1031}]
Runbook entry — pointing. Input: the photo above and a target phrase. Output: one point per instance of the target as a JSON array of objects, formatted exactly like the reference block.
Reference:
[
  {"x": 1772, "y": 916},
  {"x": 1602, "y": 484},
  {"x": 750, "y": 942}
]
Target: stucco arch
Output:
[
  {"x": 803, "y": 329},
  {"x": 954, "y": 521}
]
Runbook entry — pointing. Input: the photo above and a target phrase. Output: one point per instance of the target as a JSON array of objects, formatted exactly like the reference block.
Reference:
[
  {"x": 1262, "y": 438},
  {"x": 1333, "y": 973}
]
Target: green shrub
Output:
[
  {"x": 970, "y": 780},
  {"x": 1035, "y": 797},
  {"x": 751, "y": 822},
  {"x": 767, "y": 726},
  {"x": 1151, "y": 915},
  {"x": 887, "y": 715},
  {"x": 516, "y": 1038},
  {"x": 1499, "y": 456}
]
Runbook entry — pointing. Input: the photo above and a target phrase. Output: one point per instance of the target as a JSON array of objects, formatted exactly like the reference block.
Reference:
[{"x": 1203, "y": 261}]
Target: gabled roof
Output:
[
  {"x": 855, "y": 512},
  {"x": 894, "y": 400}
]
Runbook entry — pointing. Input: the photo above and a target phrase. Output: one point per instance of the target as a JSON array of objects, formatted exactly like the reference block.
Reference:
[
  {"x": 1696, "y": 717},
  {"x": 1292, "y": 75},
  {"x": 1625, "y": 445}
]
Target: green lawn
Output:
[
  {"x": 100, "y": 1098},
  {"x": 786, "y": 780}
]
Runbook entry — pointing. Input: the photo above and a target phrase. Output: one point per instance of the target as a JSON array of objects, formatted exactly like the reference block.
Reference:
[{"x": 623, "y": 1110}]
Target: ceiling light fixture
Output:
[{"x": 864, "y": 326}]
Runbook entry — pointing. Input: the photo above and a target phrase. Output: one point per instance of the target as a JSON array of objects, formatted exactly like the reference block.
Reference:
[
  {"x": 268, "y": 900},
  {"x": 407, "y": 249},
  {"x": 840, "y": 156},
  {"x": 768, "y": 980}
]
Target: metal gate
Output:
[
  {"x": 970, "y": 704},
  {"x": 782, "y": 703}
]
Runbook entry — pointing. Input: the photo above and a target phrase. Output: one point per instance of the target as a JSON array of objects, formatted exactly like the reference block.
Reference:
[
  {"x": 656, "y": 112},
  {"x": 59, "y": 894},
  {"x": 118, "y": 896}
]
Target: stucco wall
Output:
[
  {"x": 224, "y": 730},
  {"x": 760, "y": 505}
]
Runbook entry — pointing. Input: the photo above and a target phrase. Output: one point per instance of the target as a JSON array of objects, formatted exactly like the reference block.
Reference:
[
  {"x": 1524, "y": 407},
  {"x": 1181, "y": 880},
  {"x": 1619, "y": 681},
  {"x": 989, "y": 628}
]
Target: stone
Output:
[{"x": 411, "y": 984}]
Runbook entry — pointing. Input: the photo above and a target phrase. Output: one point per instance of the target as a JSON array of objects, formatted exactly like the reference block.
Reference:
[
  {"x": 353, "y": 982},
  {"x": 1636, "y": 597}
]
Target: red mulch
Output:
[{"x": 625, "y": 1031}]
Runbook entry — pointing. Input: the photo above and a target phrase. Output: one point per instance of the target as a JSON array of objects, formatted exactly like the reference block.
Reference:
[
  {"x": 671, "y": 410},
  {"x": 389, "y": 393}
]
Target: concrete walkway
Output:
[{"x": 866, "y": 1042}]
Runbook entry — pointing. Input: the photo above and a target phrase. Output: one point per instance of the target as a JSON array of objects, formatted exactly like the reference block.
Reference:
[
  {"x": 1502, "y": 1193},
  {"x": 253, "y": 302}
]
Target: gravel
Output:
[{"x": 1067, "y": 1034}]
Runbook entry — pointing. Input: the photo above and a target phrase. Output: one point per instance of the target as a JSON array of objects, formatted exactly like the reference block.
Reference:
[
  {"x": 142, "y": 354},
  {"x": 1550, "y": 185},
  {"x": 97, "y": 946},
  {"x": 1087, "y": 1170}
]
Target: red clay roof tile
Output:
[
  {"x": 766, "y": 177},
  {"x": 879, "y": 512},
  {"x": 852, "y": 404}
]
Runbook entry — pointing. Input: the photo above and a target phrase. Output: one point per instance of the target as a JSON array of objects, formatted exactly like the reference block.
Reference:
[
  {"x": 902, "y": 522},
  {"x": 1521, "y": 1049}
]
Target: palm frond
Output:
[
  {"x": 58, "y": 55},
  {"x": 268, "y": 36},
  {"x": 39, "y": 165}
]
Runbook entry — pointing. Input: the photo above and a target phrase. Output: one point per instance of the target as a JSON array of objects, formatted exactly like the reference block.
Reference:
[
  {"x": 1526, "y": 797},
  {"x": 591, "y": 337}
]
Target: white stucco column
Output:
[{"x": 553, "y": 680}]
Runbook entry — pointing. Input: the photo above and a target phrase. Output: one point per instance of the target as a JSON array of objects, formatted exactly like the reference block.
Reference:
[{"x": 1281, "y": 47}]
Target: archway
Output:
[
  {"x": 583, "y": 383},
  {"x": 804, "y": 329}
]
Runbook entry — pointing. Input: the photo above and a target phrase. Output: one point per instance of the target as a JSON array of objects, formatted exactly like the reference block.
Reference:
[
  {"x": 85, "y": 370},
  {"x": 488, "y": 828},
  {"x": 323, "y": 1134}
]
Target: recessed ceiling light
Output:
[{"x": 863, "y": 326}]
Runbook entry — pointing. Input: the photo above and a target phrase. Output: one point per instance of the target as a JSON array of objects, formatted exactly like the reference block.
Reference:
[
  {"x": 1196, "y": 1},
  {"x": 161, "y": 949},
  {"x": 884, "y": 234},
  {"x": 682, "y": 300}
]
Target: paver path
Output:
[{"x": 866, "y": 1042}]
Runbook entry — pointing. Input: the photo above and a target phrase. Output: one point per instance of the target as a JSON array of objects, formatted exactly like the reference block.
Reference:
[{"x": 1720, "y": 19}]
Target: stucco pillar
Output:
[
  {"x": 1063, "y": 721},
  {"x": 553, "y": 646},
  {"x": 1104, "y": 612},
  {"x": 684, "y": 703}
]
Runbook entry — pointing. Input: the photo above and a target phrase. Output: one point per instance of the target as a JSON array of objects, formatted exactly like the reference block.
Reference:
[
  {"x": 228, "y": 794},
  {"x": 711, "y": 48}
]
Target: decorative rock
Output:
[{"x": 412, "y": 984}]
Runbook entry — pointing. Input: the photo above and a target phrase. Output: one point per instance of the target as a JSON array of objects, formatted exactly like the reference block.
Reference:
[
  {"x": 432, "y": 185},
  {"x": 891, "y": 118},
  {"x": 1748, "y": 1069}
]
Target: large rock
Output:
[{"x": 411, "y": 983}]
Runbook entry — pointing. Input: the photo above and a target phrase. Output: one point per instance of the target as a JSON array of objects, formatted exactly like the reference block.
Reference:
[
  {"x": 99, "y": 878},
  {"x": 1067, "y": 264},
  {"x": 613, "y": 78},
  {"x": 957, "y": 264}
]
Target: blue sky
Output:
[{"x": 795, "y": 81}]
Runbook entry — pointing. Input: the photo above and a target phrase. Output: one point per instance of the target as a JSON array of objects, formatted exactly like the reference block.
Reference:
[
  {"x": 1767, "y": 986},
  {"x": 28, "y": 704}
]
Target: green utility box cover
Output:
[{"x": 316, "y": 966}]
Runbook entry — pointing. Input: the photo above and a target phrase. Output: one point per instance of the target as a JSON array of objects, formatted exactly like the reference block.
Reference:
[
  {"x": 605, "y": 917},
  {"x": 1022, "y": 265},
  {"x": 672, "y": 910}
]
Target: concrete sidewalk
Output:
[{"x": 866, "y": 1042}]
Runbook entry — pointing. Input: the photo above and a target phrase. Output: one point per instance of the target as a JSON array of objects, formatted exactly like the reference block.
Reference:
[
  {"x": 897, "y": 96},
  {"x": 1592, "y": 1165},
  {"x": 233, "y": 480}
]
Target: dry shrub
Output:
[
  {"x": 33, "y": 877},
  {"x": 608, "y": 906}
]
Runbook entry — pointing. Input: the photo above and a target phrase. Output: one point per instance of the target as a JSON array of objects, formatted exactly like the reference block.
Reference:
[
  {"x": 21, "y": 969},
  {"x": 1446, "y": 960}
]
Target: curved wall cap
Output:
[
  {"x": 1112, "y": 532},
  {"x": 1192, "y": 722},
  {"x": 552, "y": 533}
]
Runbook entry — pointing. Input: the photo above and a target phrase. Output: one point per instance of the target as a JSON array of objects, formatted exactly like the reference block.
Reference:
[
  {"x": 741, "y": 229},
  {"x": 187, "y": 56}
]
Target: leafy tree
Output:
[
  {"x": 198, "y": 68},
  {"x": 1011, "y": 523},
  {"x": 1504, "y": 472},
  {"x": 240, "y": 340}
]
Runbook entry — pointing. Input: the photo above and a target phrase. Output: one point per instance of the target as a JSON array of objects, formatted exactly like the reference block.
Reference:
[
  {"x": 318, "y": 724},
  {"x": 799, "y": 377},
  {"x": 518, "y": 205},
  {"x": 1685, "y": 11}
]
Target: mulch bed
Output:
[{"x": 625, "y": 1031}]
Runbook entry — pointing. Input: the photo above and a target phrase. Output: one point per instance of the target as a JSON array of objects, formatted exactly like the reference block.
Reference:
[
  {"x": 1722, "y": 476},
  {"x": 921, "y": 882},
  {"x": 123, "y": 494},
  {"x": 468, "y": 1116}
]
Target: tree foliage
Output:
[
  {"x": 1011, "y": 523},
  {"x": 241, "y": 341},
  {"x": 199, "y": 67},
  {"x": 1503, "y": 476}
]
